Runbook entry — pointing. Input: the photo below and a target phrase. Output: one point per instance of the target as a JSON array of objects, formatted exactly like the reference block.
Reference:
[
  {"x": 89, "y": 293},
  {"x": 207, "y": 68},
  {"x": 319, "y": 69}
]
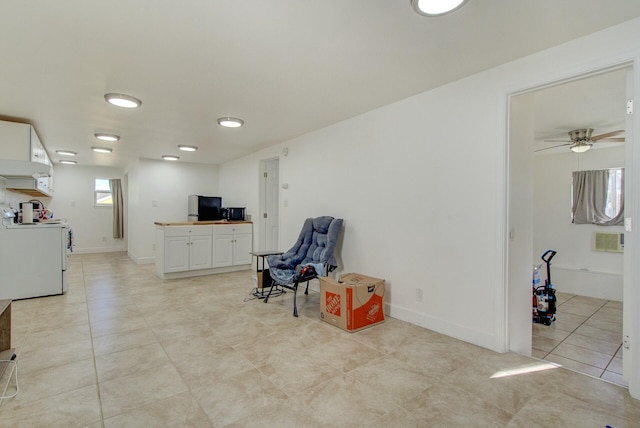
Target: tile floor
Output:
[
  {"x": 125, "y": 349},
  {"x": 586, "y": 337}
]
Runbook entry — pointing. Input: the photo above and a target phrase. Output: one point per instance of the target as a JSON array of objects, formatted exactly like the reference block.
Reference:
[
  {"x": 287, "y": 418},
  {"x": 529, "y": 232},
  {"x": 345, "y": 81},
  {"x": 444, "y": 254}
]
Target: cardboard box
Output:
[
  {"x": 262, "y": 279},
  {"x": 352, "y": 303}
]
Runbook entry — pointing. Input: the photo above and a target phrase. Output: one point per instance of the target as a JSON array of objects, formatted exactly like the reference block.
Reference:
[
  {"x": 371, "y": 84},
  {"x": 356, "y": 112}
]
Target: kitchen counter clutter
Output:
[{"x": 185, "y": 249}]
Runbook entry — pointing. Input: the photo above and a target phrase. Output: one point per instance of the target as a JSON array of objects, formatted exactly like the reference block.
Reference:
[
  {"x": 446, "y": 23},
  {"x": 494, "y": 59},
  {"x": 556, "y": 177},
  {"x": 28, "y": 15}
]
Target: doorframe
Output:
[{"x": 632, "y": 205}]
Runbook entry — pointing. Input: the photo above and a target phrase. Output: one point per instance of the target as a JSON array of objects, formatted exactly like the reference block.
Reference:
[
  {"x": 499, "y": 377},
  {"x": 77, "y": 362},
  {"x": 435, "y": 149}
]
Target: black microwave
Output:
[{"x": 234, "y": 214}]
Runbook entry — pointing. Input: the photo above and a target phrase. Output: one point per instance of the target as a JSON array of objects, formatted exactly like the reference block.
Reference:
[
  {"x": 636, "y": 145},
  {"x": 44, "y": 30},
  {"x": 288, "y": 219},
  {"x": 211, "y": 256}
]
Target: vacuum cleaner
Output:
[{"x": 544, "y": 296}]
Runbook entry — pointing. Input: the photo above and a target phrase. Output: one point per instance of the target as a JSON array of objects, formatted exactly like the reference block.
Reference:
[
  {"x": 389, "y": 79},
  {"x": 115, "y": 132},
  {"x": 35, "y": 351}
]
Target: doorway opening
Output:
[{"x": 588, "y": 334}]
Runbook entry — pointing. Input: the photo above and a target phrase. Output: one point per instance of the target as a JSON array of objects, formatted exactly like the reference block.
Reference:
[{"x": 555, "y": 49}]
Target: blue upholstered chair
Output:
[{"x": 315, "y": 247}]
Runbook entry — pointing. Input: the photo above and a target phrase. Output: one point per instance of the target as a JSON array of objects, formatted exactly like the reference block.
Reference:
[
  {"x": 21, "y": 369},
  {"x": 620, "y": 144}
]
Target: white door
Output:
[{"x": 270, "y": 220}]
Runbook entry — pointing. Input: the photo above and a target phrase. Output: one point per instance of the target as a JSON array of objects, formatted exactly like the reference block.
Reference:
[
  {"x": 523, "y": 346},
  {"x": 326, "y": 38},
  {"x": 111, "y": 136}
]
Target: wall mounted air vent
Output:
[{"x": 611, "y": 242}]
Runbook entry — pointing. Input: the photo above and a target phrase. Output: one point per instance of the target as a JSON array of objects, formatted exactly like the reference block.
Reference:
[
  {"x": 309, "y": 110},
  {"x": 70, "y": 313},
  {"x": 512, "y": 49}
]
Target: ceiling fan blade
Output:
[
  {"x": 608, "y": 134},
  {"x": 558, "y": 141},
  {"x": 611, "y": 140},
  {"x": 553, "y": 147}
]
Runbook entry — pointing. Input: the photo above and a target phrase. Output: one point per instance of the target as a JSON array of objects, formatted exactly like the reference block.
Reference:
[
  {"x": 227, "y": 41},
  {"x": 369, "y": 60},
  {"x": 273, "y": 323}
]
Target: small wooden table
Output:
[{"x": 262, "y": 274}]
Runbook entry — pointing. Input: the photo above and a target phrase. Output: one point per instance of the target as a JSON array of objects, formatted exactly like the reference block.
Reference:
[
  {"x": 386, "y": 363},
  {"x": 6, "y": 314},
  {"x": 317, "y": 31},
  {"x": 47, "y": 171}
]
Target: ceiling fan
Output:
[{"x": 581, "y": 140}]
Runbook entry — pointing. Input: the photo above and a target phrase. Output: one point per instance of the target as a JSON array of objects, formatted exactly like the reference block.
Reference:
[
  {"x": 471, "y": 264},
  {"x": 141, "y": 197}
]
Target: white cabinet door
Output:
[
  {"x": 242, "y": 248},
  {"x": 176, "y": 253},
  {"x": 222, "y": 250},
  {"x": 200, "y": 252},
  {"x": 16, "y": 138}
]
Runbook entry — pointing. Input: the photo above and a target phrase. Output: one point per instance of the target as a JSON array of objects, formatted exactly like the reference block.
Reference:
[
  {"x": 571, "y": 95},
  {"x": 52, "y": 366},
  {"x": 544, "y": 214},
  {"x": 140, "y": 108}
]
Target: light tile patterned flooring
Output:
[
  {"x": 586, "y": 337},
  {"x": 125, "y": 349}
]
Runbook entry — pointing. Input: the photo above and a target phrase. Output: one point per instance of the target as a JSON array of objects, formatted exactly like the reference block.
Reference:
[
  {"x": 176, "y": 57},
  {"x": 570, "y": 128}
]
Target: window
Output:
[
  {"x": 598, "y": 197},
  {"x": 615, "y": 198},
  {"x": 102, "y": 193}
]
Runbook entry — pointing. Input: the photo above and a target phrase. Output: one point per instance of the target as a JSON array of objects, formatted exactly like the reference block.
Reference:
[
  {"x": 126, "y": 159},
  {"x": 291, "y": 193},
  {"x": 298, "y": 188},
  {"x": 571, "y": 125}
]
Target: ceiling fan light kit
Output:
[{"x": 581, "y": 147}]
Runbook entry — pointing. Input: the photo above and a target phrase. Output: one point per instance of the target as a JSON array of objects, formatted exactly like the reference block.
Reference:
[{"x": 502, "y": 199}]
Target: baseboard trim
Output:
[{"x": 439, "y": 325}]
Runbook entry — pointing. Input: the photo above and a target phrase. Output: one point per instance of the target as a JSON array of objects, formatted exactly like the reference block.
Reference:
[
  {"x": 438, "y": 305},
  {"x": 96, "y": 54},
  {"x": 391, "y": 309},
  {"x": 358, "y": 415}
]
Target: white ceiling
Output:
[
  {"x": 597, "y": 102},
  {"x": 286, "y": 67}
]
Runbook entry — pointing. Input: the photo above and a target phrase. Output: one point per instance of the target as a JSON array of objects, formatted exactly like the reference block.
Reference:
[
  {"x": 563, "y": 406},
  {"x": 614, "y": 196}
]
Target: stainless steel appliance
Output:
[
  {"x": 204, "y": 208},
  {"x": 234, "y": 213}
]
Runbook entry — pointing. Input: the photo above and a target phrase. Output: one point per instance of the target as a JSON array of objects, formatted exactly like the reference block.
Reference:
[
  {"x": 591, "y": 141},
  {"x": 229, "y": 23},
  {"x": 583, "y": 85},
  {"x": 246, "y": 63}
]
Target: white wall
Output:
[
  {"x": 158, "y": 191},
  {"x": 576, "y": 269},
  {"x": 422, "y": 185},
  {"x": 417, "y": 212}
]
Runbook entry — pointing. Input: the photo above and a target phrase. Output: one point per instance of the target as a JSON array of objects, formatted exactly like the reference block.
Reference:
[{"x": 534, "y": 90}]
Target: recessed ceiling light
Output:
[
  {"x": 107, "y": 137},
  {"x": 122, "y": 100},
  {"x": 230, "y": 122},
  {"x": 68, "y": 162},
  {"x": 101, "y": 149},
  {"x": 170, "y": 157},
  {"x": 436, "y": 7},
  {"x": 186, "y": 148},
  {"x": 66, "y": 152}
]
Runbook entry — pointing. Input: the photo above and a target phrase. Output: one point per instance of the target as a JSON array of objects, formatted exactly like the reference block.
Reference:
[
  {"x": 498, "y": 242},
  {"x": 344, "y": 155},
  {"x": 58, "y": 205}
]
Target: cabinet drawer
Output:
[
  {"x": 200, "y": 230},
  {"x": 231, "y": 229},
  {"x": 187, "y": 231}
]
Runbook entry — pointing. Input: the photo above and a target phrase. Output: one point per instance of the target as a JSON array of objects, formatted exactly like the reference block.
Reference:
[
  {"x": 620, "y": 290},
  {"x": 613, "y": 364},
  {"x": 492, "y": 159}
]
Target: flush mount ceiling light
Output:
[
  {"x": 68, "y": 162},
  {"x": 230, "y": 122},
  {"x": 66, "y": 152},
  {"x": 186, "y": 148},
  {"x": 101, "y": 149},
  {"x": 436, "y": 7},
  {"x": 170, "y": 157},
  {"x": 107, "y": 137},
  {"x": 123, "y": 100}
]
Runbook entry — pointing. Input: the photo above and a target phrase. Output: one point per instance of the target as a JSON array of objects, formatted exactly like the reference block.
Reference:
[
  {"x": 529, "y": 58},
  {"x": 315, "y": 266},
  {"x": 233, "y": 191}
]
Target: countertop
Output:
[
  {"x": 37, "y": 225},
  {"x": 199, "y": 223}
]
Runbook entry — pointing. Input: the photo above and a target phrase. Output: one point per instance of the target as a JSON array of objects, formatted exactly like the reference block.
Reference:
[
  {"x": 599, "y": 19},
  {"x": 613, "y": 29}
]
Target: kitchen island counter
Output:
[
  {"x": 199, "y": 223},
  {"x": 197, "y": 248}
]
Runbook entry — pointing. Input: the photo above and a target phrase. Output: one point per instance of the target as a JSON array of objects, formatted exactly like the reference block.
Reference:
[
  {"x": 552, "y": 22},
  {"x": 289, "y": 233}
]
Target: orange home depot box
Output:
[{"x": 353, "y": 303}]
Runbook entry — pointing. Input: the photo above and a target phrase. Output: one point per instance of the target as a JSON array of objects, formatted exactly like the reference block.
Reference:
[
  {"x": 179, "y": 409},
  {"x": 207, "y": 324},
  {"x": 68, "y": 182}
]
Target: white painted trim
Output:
[
  {"x": 141, "y": 260},
  {"x": 501, "y": 313},
  {"x": 94, "y": 250},
  {"x": 442, "y": 326},
  {"x": 632, "y": 244}
]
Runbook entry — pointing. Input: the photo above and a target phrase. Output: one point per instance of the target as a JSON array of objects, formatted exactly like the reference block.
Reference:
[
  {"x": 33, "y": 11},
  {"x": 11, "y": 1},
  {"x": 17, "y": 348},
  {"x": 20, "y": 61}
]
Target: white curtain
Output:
[
  {"x": 591, "y": 193},
  {"x": 116, "y": 195}
]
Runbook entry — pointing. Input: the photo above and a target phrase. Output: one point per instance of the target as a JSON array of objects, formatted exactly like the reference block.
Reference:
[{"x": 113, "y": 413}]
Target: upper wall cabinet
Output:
[
  {"x": 38, "y": 153},
  {"x": 19, "y": 141},
  {"x": 24, "y": 160}
]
